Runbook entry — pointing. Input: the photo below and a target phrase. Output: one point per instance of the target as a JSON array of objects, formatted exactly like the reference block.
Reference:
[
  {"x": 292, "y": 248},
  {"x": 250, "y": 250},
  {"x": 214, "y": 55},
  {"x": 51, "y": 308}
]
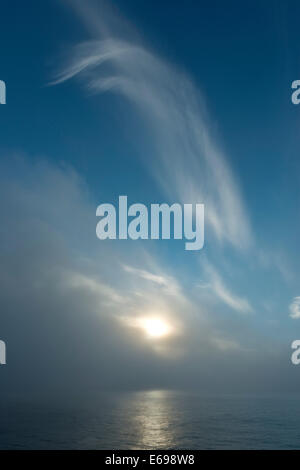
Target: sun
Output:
[{"x": 155, "y": 327}]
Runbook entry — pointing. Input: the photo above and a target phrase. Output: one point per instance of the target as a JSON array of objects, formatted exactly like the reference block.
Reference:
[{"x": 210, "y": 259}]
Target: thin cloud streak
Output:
[
  {"x": 217, "y": 285},
  {"x": 295, "y": 308}
]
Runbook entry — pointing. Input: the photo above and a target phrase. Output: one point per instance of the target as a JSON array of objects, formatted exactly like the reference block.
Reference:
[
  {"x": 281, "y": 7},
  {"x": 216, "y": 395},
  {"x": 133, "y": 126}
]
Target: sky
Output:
[{"x": 182, "y": 102}]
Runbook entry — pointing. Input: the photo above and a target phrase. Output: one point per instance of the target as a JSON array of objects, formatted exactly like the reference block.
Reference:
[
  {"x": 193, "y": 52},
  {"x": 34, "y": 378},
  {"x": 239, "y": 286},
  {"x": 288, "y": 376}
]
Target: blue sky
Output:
[{"x": 198, "y": 110}]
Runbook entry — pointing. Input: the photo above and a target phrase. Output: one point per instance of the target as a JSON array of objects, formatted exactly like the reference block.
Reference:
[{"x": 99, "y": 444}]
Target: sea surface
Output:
[{"x": 155, "y": 420}]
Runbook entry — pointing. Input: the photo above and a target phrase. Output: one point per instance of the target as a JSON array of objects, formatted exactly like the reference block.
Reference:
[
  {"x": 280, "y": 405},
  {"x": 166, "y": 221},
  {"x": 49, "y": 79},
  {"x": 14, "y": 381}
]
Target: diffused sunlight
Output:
[{"x": 155, "y": 327}]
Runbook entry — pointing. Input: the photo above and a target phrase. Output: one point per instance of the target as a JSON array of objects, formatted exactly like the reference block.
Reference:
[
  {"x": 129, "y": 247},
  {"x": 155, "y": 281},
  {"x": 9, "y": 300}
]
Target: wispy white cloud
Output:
[
  {"x": 224, "y": 344},
  {"x": 295, "y": 308},
  {"x": 91, "y": 285},
  {"x": 185, "y": 159},
  {"x": 169, "y": 284},
  {"x": 270, "y": 259},
  {"x": 217, "y": 285}
]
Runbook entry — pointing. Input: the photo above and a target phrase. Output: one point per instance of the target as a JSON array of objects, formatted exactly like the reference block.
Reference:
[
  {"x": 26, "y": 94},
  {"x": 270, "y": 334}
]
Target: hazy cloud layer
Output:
[{"x": 69, "y": 307}]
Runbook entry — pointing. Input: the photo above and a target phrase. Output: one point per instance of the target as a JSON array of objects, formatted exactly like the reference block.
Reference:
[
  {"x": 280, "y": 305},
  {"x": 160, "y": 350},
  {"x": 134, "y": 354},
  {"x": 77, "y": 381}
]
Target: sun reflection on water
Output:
[{"x": 152, "y": 420}]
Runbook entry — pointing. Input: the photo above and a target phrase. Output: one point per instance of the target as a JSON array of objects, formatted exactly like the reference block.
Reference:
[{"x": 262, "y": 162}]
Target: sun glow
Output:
[{"x": 155, "y": 327}]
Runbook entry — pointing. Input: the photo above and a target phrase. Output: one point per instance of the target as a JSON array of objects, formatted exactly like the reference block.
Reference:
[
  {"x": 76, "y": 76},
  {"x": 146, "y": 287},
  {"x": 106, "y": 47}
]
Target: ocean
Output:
[{"x": 155, "y": 420}]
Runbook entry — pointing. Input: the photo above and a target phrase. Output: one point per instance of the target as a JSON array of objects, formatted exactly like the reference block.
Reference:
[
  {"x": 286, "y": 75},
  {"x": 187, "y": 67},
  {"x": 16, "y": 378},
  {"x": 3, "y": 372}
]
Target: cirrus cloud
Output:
[{"x": 295, "y": 308}]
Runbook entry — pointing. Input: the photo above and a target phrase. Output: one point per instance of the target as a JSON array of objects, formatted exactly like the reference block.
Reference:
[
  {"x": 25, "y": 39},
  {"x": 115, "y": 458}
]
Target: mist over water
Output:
[{"x": 156, "y": 420}]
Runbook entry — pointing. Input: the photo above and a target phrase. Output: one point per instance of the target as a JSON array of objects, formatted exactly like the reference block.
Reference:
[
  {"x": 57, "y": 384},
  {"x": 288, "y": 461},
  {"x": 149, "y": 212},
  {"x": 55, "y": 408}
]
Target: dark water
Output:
[{"x": 155, "y": 420}]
